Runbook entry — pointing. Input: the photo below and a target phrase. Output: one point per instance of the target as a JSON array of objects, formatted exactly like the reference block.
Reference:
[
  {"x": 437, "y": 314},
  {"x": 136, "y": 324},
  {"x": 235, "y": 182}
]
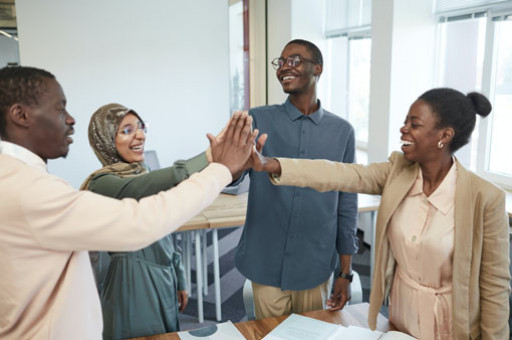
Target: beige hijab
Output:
[{"x": 102, "y": 138}]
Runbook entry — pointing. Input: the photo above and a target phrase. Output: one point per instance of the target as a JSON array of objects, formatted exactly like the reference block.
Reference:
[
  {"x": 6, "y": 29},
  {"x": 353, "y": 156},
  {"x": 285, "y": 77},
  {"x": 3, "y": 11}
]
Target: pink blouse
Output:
[{"x": 421, "y": 235}]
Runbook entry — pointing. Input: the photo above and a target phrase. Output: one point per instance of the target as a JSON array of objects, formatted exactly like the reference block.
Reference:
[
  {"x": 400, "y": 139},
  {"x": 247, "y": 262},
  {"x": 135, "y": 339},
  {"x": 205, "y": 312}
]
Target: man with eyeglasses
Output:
[
  {"x": 294, "y": 236},
  {"x": 47, "y": 289}
]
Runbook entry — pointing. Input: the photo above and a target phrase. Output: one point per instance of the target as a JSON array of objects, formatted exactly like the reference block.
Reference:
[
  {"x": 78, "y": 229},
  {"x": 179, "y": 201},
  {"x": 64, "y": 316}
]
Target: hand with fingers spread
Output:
[
  {"x": 221, "y": 134},
  {"x": 235, "y": 147}
]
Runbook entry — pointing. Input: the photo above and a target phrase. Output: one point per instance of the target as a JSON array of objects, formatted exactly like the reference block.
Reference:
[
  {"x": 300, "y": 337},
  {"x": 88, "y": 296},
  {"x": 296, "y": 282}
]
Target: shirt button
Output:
[
  {"x": 413, "y": 238},
  {"x": 303, "y": 132},
  {"x": 302, "y": 151}
]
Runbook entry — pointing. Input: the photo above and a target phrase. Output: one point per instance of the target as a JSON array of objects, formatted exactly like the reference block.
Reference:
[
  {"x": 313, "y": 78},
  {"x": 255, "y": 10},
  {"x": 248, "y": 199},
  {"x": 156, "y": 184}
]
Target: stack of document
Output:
[
  {"x": 298, "y": 327},
  {"x": 220, "y": 331}
]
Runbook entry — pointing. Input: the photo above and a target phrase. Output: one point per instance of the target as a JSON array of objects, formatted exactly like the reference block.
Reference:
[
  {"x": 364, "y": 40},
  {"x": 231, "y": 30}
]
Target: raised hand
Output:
[
  {"x": 235, "y": 147},
  {"x": 221, "y": 134},
  {"x": 258, "y": 162}
]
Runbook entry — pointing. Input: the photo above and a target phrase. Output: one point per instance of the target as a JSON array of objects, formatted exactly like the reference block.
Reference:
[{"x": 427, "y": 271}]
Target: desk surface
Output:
[
  {"x": 355, "y": 315},
  {"x": 229, "y": 211}
]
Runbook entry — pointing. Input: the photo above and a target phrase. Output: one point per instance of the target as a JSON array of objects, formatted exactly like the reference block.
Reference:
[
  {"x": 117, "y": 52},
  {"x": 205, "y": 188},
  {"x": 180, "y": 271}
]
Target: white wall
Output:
[
  {"x": 279, "y": 32},
  {"x": 168, "y": 60},
  {"x": 403, "y": 60}
]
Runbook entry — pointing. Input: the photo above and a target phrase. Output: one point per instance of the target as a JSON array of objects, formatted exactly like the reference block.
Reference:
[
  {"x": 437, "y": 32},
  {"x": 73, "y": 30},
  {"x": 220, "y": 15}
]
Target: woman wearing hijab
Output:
[
  {"x": 143, "y": 290},
  {"x": 442, "y": 231}
]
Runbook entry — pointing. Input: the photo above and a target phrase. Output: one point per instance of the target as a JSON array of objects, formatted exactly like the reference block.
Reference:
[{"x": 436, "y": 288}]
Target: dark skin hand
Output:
[
  {"x": 236, "y": 145},
  {"x": 341, "y": 294},
  {"x": 182, "y": 299}
]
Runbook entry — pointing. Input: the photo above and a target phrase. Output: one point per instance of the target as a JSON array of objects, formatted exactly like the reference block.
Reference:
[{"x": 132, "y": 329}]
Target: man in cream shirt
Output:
[{"x": 47, "y": 290}]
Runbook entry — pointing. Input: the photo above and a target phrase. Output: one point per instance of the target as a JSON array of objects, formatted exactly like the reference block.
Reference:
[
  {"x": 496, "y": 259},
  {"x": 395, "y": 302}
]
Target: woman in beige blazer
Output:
[{"x": 442, "y": 232}]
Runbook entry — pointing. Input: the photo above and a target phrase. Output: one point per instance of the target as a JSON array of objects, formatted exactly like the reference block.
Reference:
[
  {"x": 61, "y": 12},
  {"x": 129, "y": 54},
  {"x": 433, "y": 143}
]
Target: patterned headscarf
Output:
[{"x": 103, "y": 128}]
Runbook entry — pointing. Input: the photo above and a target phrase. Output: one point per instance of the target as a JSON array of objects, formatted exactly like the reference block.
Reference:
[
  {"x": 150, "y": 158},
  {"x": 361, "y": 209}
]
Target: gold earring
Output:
[{"x": 440, "y": 144}]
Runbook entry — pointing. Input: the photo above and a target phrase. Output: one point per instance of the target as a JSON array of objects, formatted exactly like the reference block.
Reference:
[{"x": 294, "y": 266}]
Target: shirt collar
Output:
[
  {"x": 295, "y": 114},
  {"x": 23, "y": 154},
  {"x": 443, "y": 197}
]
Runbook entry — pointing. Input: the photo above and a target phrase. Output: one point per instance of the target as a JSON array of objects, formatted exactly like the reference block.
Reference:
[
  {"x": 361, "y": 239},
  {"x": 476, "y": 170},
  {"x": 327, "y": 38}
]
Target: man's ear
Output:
[
  {"x": 317, "y": 70},
  {"x": 18, "y": 114}
]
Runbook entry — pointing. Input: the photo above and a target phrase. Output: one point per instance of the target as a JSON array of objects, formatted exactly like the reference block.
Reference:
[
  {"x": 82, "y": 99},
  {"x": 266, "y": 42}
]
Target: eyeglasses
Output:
[
  {"x": 130, "y": 129},
  {"x": 292, "y": 61}
]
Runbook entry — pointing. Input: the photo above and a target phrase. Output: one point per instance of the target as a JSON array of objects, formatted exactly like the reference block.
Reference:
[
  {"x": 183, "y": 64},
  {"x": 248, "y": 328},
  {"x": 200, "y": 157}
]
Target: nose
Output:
[
  {"x": 140, "y": 134},
  {"x": 69, "y": 119},
  {"x": 404, "y": 129},
  {"x": 286, "y": 65}
]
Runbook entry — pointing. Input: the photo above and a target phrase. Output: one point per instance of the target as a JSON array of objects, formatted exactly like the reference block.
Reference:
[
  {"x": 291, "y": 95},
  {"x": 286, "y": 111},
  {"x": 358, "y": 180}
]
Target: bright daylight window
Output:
[
  {"x": 476, "y": 55},
  {"x": 348, "y": 56},
  {"x": 461, "y": 46},
  {"x": 238, "y": 57},
  {"x": 359, "y": 87},
  {"x": 500, "y": 160}
]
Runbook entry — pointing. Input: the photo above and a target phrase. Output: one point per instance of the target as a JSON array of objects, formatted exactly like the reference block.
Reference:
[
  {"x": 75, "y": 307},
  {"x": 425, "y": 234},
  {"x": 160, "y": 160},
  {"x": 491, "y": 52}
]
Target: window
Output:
[
  {"x": 462, "y": 44},
  {"x": 495, "y": 160},
  {"x": 238, "y": 55},
  {"x": 359, "y": 51},
  {"x": 475, "y": 54},
  {"x": 349, "y": 55}
]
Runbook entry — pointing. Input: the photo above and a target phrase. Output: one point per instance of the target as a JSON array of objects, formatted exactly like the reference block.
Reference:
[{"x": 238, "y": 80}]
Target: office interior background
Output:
[{"x": 185, "y": 66}]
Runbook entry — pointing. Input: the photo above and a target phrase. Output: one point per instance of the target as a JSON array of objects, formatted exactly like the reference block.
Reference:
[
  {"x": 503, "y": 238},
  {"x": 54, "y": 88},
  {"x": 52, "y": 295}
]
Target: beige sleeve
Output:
[
  {"x": 61, "y": 218},
  {"x": 325, "y": 175}
]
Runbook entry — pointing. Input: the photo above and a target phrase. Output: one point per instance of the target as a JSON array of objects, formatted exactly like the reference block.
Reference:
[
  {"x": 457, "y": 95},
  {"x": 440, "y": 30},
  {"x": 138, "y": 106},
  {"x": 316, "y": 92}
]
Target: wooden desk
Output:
[
  {"x": 227, "y": 211},
  {"x": 355, "y": 315}
]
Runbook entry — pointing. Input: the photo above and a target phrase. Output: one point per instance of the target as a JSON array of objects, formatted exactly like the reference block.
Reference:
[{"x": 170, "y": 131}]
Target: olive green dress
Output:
[{"x": 139, "y": 293}]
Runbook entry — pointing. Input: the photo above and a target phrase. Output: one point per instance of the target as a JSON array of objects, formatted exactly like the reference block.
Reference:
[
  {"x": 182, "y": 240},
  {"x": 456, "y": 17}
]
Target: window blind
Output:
[
  {"x": 463, "y": 7},
  {"x": 345, "y": 16}
]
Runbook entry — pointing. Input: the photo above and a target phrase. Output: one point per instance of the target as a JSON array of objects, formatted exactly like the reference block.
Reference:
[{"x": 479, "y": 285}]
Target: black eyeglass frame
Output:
[{"x": 290, "y": 61}]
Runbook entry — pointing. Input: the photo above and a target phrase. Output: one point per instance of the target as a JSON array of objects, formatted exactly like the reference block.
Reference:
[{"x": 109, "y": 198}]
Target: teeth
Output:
[
  {"x": 137, "y": 148},
  {"x": 288, "y": 77},
  {"x": 405, "y": 142}
]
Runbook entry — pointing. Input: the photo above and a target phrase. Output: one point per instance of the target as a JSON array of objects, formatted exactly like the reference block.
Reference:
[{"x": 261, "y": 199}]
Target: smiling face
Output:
[
  {"x": 300, "y": 79},
  {"x": 420, "y": 134},
  {"x": 130, "y": 139},
  {"x": 50, "y": 125}
]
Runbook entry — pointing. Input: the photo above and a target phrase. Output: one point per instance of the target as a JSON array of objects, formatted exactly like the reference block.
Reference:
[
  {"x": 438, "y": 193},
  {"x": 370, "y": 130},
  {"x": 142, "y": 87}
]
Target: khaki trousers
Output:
[{"x": 272, "y": 301}]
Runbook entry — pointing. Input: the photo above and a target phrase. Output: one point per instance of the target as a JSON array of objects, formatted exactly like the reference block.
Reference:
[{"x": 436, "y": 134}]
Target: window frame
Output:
[{"x": 488, "y": 82}]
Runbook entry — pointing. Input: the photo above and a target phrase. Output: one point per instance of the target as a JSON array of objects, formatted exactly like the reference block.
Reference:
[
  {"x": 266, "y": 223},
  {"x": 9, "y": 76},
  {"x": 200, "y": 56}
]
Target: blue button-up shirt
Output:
[{"x": 292, "y": 236}]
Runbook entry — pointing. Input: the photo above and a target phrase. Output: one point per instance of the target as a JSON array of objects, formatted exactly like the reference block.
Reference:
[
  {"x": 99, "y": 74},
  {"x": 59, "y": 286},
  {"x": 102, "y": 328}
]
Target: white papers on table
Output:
[
  {"x": 354, "y": 332},
  {"x": 220, "y": 331},
  {"x": 298, "y": 327}
]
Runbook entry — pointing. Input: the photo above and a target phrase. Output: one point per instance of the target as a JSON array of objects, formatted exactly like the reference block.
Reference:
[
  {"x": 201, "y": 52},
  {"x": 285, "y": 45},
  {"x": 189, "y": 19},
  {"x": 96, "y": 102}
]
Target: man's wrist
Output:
[{"x": 346, "y": 276}]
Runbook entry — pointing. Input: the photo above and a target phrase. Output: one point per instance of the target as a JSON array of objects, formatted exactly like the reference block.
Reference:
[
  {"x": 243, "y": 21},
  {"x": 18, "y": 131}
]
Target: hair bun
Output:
[{"x": 481, "y": 104}]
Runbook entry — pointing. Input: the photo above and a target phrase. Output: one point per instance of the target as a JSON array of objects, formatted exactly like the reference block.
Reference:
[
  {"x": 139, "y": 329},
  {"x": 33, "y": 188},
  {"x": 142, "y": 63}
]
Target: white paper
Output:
[
  {"x": 298, "y": 327},
  {"x": 359, "y": 333},
  {"x": 220, "y": 331}
]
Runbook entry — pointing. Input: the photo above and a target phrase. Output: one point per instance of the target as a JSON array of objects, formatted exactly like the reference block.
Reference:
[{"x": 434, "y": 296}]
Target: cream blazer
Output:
[{"x": 481, "y": 277}]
